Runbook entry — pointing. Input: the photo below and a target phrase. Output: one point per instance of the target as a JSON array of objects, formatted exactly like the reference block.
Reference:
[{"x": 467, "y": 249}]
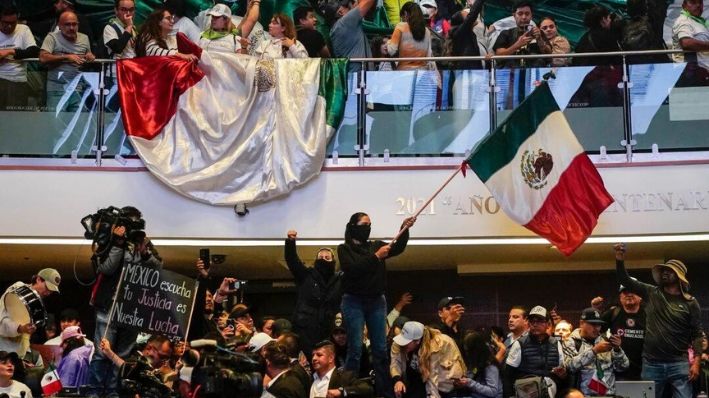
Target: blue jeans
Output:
[
  {"x": 103, "y": 374},
  {"x": 356, "y": 311},
  {"x": 676, "y": 374}
]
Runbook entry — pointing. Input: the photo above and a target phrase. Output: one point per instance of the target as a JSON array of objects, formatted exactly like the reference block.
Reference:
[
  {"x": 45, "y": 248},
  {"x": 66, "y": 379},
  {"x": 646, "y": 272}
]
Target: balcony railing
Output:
[{"x": 622, "y": 109}]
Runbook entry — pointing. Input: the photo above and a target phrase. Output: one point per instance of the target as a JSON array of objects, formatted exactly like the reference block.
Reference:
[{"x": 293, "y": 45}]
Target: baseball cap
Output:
[
  {"x": 591, "y": 315},
  {"x": 259, "y": 340},
  {"x": 428, "y": 3},
  {"x": 538, "y": 311},
  {"x": 51, "y": 278},
  {"x": 411, "y": 331},
  {"x": 622, "y": 288},
  {"x": 220, "y": 10},
  {"x": 339, "y": 323},
  {"x": 239, "y": 311},
  {"x": 71, "y": 331}
]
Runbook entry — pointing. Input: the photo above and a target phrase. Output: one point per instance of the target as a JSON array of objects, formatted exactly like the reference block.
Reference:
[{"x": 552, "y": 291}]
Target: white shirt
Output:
[
  {"x": 10, "y": 340},
  {"x": 686, "y": 27},
  {"x": 274, "y": 49},
  {"x": 15, "y": 390},
  {"x": 319, "y": 386},
  {"x": 186, "y": 26},
  {"x": 109, "y": 33},
  {"x": 21, "y": 38}
]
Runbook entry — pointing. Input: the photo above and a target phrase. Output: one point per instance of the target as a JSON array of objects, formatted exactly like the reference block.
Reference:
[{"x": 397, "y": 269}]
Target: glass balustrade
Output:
[{"x": 442, "y": 111}]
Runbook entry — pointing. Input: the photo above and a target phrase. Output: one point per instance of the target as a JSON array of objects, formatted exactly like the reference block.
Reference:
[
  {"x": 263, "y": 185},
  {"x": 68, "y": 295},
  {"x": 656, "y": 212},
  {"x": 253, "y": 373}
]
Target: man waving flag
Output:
[{"x": 539, "y": 174}]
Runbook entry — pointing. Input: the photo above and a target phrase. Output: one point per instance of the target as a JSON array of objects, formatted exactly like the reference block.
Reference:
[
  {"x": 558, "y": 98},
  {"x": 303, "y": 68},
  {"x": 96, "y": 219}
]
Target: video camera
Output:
[
  {"x": 229, "y": 375},
  {"x": 142, "y": 380},
  {"x": 99, "y": 226}
]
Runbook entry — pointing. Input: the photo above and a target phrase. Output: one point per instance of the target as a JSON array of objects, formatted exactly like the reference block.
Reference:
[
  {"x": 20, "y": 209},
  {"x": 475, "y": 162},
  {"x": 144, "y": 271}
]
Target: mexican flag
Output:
[
  {"x": 539, "y": 174},
  {"x": 231, "y": 128},
  {"x": 51, "y": 384},
  {"x": 597, "y": 384}
]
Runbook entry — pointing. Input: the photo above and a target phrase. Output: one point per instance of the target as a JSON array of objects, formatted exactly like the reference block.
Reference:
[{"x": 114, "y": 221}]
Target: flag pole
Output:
[{"x": 421, "y": 209}]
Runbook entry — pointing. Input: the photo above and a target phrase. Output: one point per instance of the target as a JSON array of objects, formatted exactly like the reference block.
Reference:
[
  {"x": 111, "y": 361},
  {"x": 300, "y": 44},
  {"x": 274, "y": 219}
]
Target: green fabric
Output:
[
  {"x": 210, "y": 34},
  {"x": 692, "y": 17},
  {"x": 499, "y": 148},
  {"x": 333, "y": 87}
]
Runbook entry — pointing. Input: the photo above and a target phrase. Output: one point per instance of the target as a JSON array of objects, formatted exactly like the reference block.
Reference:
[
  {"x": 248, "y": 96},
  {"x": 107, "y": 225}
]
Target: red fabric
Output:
[
  {"x": 149, "y": 88},
  {"x": 570, "y": 211},
  {"x": 186, "y": 46}
]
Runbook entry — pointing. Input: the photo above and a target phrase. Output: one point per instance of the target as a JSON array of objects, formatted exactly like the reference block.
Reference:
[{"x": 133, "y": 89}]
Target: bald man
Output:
[{"x": 64, "y": 52}]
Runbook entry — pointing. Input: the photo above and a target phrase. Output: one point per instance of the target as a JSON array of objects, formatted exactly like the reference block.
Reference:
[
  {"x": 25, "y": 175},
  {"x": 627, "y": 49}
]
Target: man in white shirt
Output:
[
  {"x": 16, "y": 43},
  {"x": 690, "y": 33},
  {"x": 333, "y": 383}
]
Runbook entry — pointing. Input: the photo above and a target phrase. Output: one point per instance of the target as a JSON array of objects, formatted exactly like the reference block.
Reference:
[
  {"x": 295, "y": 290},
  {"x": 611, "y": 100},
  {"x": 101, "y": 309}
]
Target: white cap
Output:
[
  {"x": 428, "y": 3},
  {"x": 259, "y": 340},
  {"x": 410, "y": 332},
  {"x": 220, "y": 10},
  {"x": 538, "y": 311}
]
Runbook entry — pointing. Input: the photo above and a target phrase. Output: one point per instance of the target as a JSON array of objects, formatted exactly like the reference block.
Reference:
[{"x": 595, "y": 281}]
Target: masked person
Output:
[
  {"x": 363, "y": 265},
  {"x": 319, "y": 294}
]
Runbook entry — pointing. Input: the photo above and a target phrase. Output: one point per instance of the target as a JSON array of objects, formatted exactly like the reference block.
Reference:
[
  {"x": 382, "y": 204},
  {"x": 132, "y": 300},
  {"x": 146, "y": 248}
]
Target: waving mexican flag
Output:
[{"x": 231, "y": 128}]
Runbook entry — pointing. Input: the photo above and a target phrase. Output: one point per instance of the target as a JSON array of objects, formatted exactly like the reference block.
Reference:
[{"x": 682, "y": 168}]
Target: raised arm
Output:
[
  {"x": 296, "y": 267},
  {"x": 247, "y": 24}
]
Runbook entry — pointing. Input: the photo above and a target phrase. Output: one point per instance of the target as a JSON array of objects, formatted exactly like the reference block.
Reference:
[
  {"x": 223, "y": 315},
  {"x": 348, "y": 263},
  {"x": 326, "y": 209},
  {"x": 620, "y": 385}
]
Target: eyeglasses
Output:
[{"x": 123, "y": 9}]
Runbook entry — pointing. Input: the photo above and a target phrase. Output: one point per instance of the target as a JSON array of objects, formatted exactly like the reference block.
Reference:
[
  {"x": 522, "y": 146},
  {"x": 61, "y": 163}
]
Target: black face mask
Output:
[
  {"x": 325, "y": 268},
  {"x": 360, "y": 233}
]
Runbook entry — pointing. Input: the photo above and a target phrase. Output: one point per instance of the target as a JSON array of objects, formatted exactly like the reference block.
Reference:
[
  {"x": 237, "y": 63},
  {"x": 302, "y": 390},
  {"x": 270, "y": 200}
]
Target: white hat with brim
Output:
[
  {"x": 259, "y": 340},
  {"x": 220, "y": 10},
  {"x": 410, "y": 332}
]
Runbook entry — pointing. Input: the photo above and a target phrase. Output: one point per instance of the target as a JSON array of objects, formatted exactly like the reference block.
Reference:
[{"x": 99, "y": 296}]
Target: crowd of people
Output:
[
  {"x": 343, "y": 340},
  {"x": 68, "y": 44}
]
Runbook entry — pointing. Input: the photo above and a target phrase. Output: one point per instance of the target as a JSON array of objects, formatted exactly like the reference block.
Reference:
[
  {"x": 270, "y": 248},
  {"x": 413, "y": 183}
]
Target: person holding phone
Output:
[
  {"x": 523, "y": 39},
  {"x": 588, "y": 349},
  {"x": 450, "y": 312}
]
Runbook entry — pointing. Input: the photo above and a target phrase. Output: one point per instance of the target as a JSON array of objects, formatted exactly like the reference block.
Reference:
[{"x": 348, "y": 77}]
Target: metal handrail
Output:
[{"x": 483, "y": 58}]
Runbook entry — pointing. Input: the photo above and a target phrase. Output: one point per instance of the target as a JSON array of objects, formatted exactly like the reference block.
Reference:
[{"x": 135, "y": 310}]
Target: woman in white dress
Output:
[{"x": 283, "y": 43}]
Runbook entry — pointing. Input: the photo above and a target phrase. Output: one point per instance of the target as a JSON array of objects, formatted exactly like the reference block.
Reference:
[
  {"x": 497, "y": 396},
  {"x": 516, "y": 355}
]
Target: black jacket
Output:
[
  {"x": 363, "y": 273},
  {"x": 288, "y": 386},
  {"x": 318, "y": 300},
  {"x": 354, "y": 387}
]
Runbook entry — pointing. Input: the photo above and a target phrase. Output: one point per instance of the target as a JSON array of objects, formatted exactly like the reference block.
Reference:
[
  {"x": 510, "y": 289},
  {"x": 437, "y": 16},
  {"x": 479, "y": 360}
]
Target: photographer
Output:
[
  {"x": 142, "y": 371},
  {"x": 128, "y": 246}
]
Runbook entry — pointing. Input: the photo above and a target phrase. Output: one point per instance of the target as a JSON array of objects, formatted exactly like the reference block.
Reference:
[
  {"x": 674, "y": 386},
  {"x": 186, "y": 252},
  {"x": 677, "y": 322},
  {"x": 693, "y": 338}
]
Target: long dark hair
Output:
[
  {"x": 150, "y": 31},
  {"x": 476, "y": 353},
  {"x": 414, "y": 17}
]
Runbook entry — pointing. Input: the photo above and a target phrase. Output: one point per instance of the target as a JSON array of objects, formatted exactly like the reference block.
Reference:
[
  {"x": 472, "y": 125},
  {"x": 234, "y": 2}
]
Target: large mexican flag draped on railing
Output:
[{"x": 231, "y": 128}]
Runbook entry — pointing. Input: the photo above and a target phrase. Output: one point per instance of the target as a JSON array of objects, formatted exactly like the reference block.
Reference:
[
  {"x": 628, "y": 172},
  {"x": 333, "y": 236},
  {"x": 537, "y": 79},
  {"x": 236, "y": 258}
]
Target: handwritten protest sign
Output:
[{"x": 155, "y": 301}]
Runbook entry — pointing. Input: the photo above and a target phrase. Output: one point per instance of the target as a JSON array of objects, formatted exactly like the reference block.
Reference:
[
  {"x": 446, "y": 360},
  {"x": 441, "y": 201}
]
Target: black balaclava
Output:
[{"x": 325, "y": 268}]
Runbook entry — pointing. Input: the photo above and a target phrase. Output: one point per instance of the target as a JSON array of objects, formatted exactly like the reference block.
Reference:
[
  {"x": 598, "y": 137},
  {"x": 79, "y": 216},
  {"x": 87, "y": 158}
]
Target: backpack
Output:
[
  {"x": 639, "y": 35},
  {"x": 103, "y": 51}
]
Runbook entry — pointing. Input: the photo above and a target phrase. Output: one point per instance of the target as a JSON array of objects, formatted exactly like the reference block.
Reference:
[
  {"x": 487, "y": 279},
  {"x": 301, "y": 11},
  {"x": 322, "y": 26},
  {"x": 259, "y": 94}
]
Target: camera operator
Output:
[
  {"x": 128, "y": 246},
  {"x": 144, "y": 370}
]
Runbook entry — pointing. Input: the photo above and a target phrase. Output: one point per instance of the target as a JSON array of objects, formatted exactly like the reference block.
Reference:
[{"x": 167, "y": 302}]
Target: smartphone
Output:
[
  {"x": 457, "y": 300},
  {"x": 205, "y": 257}
]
